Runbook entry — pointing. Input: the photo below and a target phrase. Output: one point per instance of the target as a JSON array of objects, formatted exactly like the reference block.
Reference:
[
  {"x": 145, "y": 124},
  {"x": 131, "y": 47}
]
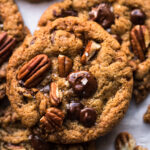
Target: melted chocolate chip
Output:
[
  {"x": 83, "y": 83},
  {"x": 39, "y": 144},
  {"x": 138, "y": 17},
  {"x": 103, "y": 15},
  {"x": 88, "y": 117},
  {"x": 73, "y": 110},
  {"x": 117, "y": 37}
]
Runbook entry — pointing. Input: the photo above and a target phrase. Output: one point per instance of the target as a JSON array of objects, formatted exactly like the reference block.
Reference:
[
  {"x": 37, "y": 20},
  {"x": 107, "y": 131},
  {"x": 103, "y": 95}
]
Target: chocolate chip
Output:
[
  {"x": 1, "y": 22},
  {"x": 138, "y": 17},
  {"x": 88, "y": 117},
  {"x": 39, "y": 144},
  {"x": 73, "y": 110},
  {"x": 117, "y": 37},
  {"x": 103, "y": 15},
  {"x": 4, "y": 103},
  {"x": 83, "y": 83}
]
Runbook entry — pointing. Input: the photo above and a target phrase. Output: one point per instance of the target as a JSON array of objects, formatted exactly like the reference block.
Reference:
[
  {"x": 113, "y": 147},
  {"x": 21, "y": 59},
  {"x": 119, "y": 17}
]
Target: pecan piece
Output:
[
  {"x": 147, "y": 115},
  {"x": 90, "y": 51},
  {"x": 64, "y": 65},
  {"x": 125, "y": 141},
  {"x": 140, "y": 148},
  {"x": 32, "y": 72},
  {"x": 6, "y": 46},
  {"x": 55, "y": 97},
  {"x": 140, "y": 40},
  {"x": 53, "y": 119}
]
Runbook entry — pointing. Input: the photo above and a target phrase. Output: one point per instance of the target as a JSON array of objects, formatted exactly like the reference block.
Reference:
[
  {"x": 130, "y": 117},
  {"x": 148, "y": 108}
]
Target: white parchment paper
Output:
[{"x": 133, "y": 121}]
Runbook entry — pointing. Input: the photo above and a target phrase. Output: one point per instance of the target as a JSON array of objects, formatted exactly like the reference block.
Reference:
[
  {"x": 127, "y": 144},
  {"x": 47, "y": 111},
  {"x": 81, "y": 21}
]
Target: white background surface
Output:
[{"x": 133, "y": 121}]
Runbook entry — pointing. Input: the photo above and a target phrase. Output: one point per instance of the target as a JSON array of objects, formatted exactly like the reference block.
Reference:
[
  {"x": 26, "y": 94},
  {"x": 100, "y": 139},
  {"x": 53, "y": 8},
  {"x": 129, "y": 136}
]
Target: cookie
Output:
[
  {"x": 12, "y": 31},
  {"x": 127, "y": 20},
  {"x": 147, "y": 115},
  {"x": 13, "y": 136},
  {"x": 70, "y": 80}
]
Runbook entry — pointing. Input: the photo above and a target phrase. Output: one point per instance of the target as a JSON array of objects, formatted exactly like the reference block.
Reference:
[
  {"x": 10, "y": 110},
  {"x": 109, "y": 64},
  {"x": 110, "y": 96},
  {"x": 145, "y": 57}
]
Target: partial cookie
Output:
[
  {"x": 12, "y": 31},
  {"x": 147, "y": 115},
  {"x": 140, "y": 148},
  {"x": 71, "y": 79},
  {"x": 125, "y": 141},
  {"x": 127, "y": 20},
  {"x": 13, "y": 136}
]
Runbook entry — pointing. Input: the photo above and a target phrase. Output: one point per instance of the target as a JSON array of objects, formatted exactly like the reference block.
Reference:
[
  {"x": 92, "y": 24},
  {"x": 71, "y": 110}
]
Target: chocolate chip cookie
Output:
[
  {"x": 12, "y": 31},
  {"x": 70, "y": 81},
  {"x": 13, "y": 136},
  {"x": 127, "y": 20}
]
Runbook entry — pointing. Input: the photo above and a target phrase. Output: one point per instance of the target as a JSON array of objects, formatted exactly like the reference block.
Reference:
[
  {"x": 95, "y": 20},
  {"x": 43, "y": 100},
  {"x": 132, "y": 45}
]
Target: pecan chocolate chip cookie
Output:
[
  {"x": 127, "y": 20},
  {"x": 57, "y": 87},
  {"x": 13, "y": 136},
  {"x": 12, "y": 31}
]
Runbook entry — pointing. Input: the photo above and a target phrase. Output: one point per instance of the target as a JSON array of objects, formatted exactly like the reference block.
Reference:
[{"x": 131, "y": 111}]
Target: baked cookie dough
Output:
[
  {"x": 12, "y": 31},
  {"x": 13, "y": 136},
  {"x": 127, "y": 20},
  {"x": 70, "y": 80}
]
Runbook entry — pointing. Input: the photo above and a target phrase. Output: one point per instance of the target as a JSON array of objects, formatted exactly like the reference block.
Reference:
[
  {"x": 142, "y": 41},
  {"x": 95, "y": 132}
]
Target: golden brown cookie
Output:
[
  {"x": 12, "y": 31},
  {"x": 71, "y": 80},
  {"x": 127, "y": 20}
]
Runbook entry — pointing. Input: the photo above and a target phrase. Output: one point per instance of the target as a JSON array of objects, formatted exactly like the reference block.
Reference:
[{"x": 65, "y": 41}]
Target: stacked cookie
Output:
[{"x": 71, "y": 81}]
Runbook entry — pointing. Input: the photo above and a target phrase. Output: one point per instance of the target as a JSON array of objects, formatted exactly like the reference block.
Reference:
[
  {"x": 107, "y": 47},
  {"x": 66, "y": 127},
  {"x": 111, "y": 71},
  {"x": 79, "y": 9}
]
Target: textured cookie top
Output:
[
  {"x": 12, "y": 31},
  {"x": 127, "y": 20},
  {"x": 71, "y": 79},
  {"x": 11, "y": 20},
  {"x": 13, "y": 136}
]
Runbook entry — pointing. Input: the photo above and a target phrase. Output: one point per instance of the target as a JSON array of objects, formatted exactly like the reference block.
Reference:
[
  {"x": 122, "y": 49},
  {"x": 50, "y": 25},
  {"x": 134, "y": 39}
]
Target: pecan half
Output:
[
  {"x": 53, "y": 119},
  {"x": 64, "y": 65},
  {"x": 6, "y": 46},
  {"x": 55, "y": 97},
  {"x": 125, "y": 141},
  {"x": 90, "y": 51},
  {"x": 140, "y": 40},
  {"x": 32, "y": 72}
]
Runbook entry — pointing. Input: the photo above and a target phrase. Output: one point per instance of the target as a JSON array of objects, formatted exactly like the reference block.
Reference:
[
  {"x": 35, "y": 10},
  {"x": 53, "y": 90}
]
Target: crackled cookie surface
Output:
[
  {"x": 127, "y": 20},
  {"x": 12, "y": 31},
  {"x": 13, "y": 136},
  {"x": 70, "y": 81}
]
